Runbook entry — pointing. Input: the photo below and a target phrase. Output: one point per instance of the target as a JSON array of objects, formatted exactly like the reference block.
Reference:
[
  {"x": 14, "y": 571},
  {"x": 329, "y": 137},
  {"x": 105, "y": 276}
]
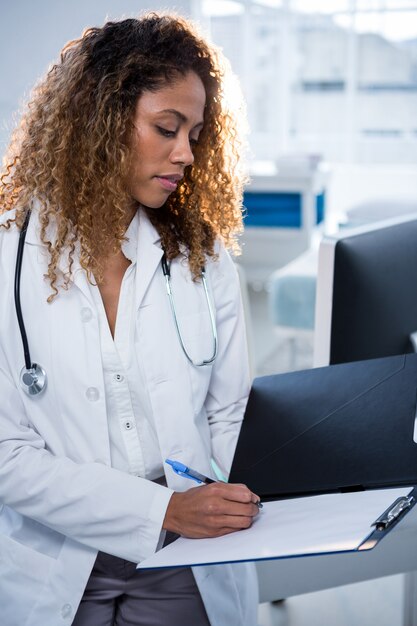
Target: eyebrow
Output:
[{"x": 180, "y": 116}]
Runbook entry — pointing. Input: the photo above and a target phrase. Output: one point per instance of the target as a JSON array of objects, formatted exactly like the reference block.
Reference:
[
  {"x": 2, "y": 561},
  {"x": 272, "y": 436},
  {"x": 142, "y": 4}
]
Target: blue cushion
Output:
[{"x": 292, "y": 301}]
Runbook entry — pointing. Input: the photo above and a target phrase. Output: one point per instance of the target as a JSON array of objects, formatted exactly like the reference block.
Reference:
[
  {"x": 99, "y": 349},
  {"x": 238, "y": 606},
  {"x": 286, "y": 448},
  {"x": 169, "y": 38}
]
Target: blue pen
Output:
[{"x": 187, "y": 472}]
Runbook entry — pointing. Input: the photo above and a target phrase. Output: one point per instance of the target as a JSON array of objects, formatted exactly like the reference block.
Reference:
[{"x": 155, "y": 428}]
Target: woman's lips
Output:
[{"x": 166, "y": 183}]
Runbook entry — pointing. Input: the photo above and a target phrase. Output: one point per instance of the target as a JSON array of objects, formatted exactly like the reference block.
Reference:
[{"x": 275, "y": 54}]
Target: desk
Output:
[{"x": 396, "y": 554}]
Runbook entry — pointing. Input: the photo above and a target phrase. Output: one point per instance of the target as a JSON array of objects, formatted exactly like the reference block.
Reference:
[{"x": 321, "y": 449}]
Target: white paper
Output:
[{"x": 295, "y": 527}]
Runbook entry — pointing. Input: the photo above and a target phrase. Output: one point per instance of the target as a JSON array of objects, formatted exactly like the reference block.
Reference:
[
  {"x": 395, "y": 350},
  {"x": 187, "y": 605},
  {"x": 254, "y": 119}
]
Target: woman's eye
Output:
[{"x": 165, "y": 132}]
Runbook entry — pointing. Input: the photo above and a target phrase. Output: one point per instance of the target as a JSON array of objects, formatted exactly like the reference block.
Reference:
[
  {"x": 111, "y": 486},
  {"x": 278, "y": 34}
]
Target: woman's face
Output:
[{"x": 167, "y": 124}]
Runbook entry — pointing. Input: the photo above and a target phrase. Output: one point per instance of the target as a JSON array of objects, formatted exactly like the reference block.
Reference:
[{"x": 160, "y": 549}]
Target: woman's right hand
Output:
[{"x": 211, "y": 510}]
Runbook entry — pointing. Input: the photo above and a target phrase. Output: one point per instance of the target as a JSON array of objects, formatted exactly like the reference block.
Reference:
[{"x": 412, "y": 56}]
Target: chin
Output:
[
  {"x": 153, "y": 205},
  {"x": 151, "y": 200}
]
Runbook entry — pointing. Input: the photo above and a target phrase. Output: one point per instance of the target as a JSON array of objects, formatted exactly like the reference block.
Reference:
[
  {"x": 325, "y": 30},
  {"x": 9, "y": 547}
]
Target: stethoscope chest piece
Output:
[
  {"x": 33, "y": 380},
  {"x": 32, "y": 376}
]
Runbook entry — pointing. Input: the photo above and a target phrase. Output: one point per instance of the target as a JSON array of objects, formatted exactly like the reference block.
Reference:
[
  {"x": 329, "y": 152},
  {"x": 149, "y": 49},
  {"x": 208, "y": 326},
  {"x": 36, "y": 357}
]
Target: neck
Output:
[{"x": 130, "y": 214}]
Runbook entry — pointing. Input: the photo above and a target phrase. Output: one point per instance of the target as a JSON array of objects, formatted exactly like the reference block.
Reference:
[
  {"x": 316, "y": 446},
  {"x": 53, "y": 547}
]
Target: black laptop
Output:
[{"x": 338, "y": 428}]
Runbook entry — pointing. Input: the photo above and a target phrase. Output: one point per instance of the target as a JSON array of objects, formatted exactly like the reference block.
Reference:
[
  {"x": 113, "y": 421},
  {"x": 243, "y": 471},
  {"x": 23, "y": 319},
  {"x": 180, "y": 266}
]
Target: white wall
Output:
[
  {"x": 32, "y": 33},
  {"x": 351, "y": 185}
]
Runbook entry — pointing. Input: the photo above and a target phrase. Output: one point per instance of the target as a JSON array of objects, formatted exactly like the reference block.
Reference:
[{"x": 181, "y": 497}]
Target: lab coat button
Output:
[
  {"x": 92, "y": 394},
  {"x": 128, "y": 425},
  {"x": 86, "y": 314},
  {"x": 66, "y": 611},
  {"x": 118, "y": 377}
]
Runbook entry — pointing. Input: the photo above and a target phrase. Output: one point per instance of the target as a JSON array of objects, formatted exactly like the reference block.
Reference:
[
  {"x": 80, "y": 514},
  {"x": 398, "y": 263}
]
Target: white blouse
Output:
[{"x": 134, "y": 444}]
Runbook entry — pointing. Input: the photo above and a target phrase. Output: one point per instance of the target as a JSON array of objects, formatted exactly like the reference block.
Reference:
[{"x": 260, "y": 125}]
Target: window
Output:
[{"x": 337, "y": 77}]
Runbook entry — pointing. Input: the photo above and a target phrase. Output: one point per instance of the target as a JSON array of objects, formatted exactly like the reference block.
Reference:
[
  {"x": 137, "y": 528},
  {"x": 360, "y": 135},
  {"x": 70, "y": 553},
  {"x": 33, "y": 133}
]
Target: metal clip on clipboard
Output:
[
  {"x": 391, "y": 515},
  {"x": 389, "y": 519}
]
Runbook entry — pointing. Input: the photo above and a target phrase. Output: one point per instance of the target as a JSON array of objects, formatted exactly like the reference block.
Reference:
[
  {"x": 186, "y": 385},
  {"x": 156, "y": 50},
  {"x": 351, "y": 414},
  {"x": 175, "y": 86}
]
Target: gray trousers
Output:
[{"x": 117, "y": 594}]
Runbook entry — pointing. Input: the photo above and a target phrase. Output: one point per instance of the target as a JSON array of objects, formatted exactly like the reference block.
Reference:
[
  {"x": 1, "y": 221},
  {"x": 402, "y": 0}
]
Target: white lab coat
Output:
[{"x": 60, "y": 501}]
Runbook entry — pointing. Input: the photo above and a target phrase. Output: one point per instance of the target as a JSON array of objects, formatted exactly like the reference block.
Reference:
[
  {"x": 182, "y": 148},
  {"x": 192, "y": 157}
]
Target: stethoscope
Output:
[
  {"x": 33, "y": 378},
  {"x": 167, "y": 273}
]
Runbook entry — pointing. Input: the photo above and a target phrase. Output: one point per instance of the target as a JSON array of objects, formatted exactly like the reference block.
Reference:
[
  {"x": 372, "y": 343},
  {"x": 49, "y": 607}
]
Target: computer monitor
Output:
[{"x": 366, "y": 299}]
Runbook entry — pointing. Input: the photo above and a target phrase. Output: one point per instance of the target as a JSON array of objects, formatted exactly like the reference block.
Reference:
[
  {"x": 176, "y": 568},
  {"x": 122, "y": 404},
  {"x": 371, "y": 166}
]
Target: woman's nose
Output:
[{"x": 182, "y": 152}]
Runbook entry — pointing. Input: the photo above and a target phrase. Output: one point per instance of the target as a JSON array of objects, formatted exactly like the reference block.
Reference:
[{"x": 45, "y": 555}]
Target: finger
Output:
[
  {"x": 218, "y": 532},
  {"x": 235, "y": 492},
  {"x": 217, "y": 505},
  {"x": 243, "y": 495},
  {"x": 237, "y": 508},
  {"x": 227, "y": 531},
  {"x": 237, "y": 522},
  {"x": 217, "y": 526}
]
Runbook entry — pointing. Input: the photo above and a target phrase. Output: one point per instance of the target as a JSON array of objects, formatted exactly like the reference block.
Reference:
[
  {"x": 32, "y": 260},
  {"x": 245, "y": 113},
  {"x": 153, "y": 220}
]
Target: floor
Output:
[{"x": 372, "y": 603}]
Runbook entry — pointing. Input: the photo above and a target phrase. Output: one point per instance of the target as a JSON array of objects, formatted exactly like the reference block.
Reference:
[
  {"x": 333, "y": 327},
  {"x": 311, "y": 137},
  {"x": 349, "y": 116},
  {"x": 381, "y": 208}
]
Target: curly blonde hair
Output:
[{"x": 71, "y": 152}]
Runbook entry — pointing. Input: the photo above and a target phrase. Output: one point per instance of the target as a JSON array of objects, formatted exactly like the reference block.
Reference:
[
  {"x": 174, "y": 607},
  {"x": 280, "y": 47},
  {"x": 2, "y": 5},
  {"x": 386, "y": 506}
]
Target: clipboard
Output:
[
  {"x": 292, "y": 528},
  {"x": 340, "y": 428},
  {"x": 330, "y": 448}
]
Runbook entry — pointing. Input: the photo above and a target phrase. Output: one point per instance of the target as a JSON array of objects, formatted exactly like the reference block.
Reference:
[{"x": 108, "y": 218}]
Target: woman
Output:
[{"x": 126, "y": 157}]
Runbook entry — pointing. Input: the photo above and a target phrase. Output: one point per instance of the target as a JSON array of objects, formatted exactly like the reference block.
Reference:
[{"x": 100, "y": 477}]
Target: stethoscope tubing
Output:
[
  {"x": 167, "y": 273},
  {"x": 18, "y": 305}
]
